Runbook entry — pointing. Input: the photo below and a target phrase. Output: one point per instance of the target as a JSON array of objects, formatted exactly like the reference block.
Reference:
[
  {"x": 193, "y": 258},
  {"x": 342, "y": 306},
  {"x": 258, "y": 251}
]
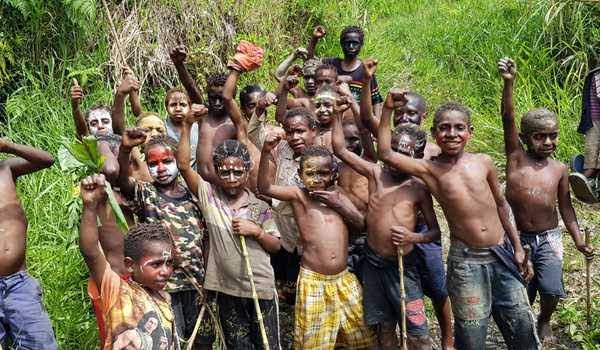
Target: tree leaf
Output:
[
  {"x": 66, "y": 160},
  {"x": 119, "y": 216}
]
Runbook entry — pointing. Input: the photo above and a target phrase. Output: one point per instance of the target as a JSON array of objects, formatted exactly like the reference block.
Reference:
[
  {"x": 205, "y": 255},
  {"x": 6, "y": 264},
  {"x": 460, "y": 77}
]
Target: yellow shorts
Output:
[{"x": 328, "y": 308}]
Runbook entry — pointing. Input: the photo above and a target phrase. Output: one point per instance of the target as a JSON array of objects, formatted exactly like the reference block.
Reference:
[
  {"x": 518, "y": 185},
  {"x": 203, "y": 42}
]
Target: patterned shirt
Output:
[
  {"x": 182, "y": 216},
  {"x": 134, "y": 319},
  {"x": 226, "y": 269},
  {"x": 356, "y": 84},
  {"x": 287, "y": 175},
  {"x": 595, "y": 97}
]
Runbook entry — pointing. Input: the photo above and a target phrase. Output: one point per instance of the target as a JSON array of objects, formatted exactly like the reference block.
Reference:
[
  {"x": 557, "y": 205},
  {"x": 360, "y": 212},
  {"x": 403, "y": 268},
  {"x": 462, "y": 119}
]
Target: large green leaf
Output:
[{"x": 119, "y": 217}]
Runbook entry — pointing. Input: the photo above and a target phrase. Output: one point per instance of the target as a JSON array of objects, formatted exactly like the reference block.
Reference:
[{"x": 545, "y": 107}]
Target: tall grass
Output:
[{"x": 442, "y": 49}]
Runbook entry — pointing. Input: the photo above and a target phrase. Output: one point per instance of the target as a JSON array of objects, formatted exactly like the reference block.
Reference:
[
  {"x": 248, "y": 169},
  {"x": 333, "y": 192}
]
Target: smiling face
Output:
[
  {"x": 99, "y": 122},
  {"x": 178, "y": 105},
  {"x": 351, "y": 44},
  {"x": 317, "y": 173},
  {"x": 411, "y": 112},
  {"x": 324, "y": 109},
  {"x": 162, "y": 165},
  {"x": 404, "y": 144},
  {"x": 299, "y": 134},
  {"x": 452, "y": 132},
  {"x": 154, "y": 268},
  {"x": 233, "y": 175},
  {"x": 216, "y": 105},
  {"x": 352, "y": 137},
  {"x": 542, "y": 142}
]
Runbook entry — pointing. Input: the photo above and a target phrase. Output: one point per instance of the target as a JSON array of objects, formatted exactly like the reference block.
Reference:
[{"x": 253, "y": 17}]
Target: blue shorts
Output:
[
  {"x": 546, "y": 257},
  {"x": 24, "y": 323},
  {"x": 431, "y": 267},
  {"x": 381, "y": 291}
]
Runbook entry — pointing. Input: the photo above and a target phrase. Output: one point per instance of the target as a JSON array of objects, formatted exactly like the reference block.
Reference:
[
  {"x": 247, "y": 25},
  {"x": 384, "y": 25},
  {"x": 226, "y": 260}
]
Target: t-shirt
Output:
[
  {"x": 287, "y": 175},
  {"x": 595, "y": 97},
  {"x": 134, "y": 319},
  {"x": 182, "y": 216},
  {"x": 173, "y": 133},
  {"x": 356, "y": 84},
  {"x": 226, "y": 269}
]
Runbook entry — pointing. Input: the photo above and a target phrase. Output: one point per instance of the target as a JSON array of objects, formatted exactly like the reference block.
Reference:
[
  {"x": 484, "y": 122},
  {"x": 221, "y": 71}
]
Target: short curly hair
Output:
[
  {"x": 304, "y": 113},
  {"x": 315, "y": 151},
  {"x": 415, "y": 133},
  {"x": 232, "y": 148},
  {"x": 326, "y": 66},
  {"x": 352, "y": 29},
  {"x": 216, "y": 79},
  {"x": 141, "y": 234},
  {"x": 247, "y": 91},
  {"x": 160, "y": 140},
  {"x": 175, "y": 90},
  {"x": 451, "y": 106},
  {"x": 537, "y": 119}
]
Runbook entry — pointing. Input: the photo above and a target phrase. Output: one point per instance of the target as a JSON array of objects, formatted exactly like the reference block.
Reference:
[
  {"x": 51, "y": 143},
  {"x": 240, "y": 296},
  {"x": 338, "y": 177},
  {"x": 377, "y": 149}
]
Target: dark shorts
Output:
[
  {"x": 546, "y": 257},
  {"x": 24, "y": 323},
  {"x": 430, "y": 268},
  {"x": 381, "y": 291},
  {"x": 186, "y": 307},
  {"x": 240, "y": 324}
]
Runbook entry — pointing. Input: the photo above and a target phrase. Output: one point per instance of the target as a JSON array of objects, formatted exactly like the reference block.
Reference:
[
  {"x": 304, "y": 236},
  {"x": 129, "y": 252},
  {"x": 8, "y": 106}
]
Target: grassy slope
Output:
[{"x": 443, "y": 49}]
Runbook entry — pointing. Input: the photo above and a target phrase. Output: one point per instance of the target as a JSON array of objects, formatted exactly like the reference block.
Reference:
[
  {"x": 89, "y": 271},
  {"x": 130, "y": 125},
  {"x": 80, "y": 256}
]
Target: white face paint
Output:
[
  {"x": 166, "y": 255},
  {"x": 166, "y": 176},
  {"x": 99, "y": 121}
]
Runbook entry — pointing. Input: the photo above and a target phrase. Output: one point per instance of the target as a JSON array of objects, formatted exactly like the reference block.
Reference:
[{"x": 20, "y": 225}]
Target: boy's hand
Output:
[
  {"x": 245, "y": 227},
  {"x": 370, "y": 65},
  {"x": 267, "y": 100},
  {"x": 4, "y": 145},
  {"x": 291, "y": 81},
  {"x": 178, "y": 54},
  {"x": 403, "y": 236},
  {"x": 301, "y": 52},
  {"x": 330, "y": 198},
  {"x": 585, "y": 250},
  {"x": 524, "y": 265},
  {"x": 396, "y": 98},
  {"x": 342, "y": 104},
  {"x": 507, "y": 68},
  {"x": 128, "y": 84},
  {"x": 196, "y": 114},
  {"x": 76, "y": 93},
  {"x": 319, "y": 32},
  {"x": 272, "y": 139},
  {"x": 92, "y": 189},
  {"x": 133, "y": 137}
]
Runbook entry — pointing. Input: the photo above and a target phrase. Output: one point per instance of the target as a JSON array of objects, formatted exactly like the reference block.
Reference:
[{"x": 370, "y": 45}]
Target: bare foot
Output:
[{"x": 545, "y": 332}]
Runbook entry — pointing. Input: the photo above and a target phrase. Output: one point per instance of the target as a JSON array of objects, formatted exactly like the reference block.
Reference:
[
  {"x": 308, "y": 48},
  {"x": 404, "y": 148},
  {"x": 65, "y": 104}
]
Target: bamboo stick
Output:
[
  {"x": 402, "y": 296},
  {"x": 259, "y": 315},
  {"x": 588, "y": 297}
]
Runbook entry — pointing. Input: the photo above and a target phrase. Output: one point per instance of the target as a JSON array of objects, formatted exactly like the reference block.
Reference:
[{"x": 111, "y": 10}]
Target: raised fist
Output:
[
  {"x": 272, "y": 139},
  {"x": 301, "y": 52},
  {"x": 319, "y": 32},
  {"x": 396, "y": 98},
  {"x": 196, "y": 114},
  {"x": 92, "y": 189},
  {"x": 507, "y": 68},
  {"x": 178, "y": 54},
  {"x": 370, "y": 65},
  {"x": 76, "y": 93},
  {"x": 133, "y": 137}
]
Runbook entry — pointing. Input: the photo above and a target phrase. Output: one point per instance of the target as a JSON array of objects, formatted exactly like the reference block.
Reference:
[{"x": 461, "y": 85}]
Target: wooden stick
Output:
[
  {"x": 402, "y": 296},
  {"x": 259, "y": 315},
  {"x": 190, "y": 341},
  {"x": 114, "y": 32},
  {"x": 588, "y": 297}
]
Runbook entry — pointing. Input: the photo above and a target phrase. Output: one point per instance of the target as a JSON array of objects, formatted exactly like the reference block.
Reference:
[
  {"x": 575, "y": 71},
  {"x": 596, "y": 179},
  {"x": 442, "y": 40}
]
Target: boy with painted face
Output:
[
  {"x": 394, "y": 202},
  {"x": 230, "y": 210},
  {"x": 149, "y": 255},
  {"x": 351, "y": 41},
  {"x": 24, "y": 323},
  {"x": 170, "y": 202},
  {"x": 485, "y": 273},
  {"x": 324, "y": 257},
  {"x": 534, "y": 183}
]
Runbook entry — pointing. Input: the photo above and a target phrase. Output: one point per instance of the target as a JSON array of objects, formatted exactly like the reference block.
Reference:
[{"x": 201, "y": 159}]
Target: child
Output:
[
  {"x": 230, "y": 210},
  {"x": 482, "y": 273},
  {"x": 24, "y": 324},
  {"x": 395, "y": 199},
  {"x": 138, "y": 312},
  {"x": 169, "y": 201},
  {"x": 351, "y": 41},
  {"x": 177, "y": 104},
  {"x": 253, "y": 104},
  {"x": 329, "y": 297},
  {"x": 533, "y": 185}
]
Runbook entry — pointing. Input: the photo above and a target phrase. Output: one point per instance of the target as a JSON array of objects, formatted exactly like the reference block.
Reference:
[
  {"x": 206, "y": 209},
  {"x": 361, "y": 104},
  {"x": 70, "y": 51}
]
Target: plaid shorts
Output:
[{"x": 328, "y": 308}]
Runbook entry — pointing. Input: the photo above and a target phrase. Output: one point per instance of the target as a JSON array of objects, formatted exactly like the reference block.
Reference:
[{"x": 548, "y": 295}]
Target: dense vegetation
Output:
[{"x": 443, "y": 49}]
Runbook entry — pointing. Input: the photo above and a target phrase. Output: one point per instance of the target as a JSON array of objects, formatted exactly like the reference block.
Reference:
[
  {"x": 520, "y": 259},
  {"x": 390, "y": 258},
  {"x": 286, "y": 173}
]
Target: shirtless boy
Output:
[
  {"x": 534, "y": 183},
  {"x": 484, "y": 275},
  {"x": 395, "y": 199},
  {"x": 323, "y": 266},
  {"x": 24, "y": 323}
]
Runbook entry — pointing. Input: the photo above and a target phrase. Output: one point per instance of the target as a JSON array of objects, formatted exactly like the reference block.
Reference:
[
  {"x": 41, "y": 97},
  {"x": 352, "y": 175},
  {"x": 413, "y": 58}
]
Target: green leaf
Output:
[
  {"x": 119, "y": 217},
  {"x": 91, "y": 144},
  {"x": 80, "y": 152},
  {"x": 66, "y": 160}
]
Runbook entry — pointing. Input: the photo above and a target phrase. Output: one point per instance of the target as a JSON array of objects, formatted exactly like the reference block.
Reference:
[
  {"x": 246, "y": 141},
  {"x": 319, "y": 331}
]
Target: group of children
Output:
[{"x": 325, "y": 215}]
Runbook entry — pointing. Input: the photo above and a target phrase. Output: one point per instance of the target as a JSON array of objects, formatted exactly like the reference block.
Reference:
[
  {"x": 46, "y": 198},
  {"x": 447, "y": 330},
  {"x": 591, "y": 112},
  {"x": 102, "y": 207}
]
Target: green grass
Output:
[{"x": 446, "y": 50}]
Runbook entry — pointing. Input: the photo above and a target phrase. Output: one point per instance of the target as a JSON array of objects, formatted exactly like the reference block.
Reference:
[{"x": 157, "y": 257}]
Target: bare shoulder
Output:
[{"x": 556, "y": 165}]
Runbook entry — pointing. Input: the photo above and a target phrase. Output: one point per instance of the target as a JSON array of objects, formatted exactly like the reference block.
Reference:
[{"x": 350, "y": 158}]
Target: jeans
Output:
[
  {"x": 480, "y": 285},
  {"x": 23, "y": 319}
]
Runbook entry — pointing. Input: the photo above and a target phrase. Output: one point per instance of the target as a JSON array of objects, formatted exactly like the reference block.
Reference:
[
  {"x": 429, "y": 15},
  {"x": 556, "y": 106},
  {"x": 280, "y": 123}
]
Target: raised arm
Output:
[
  {"x": 416, "y": 167},
  {"x": 338, "y": 143},
  {"x": 178, "y": 55},
  {"x": 93, "y": 195},
  {"x": 128, "y": 84},
  {"x": 131, "y": 137},
  {"x": 369, "y": 119},
  {"x": 134, "y": 95},
  {"x": 267, "y": 171},
  {"x": 76, "y": 96},
  {"x": 317, "y": 34},
  {"x": 283, "y": 67},
  {"x": 27, "y": 159},
  {"x": 110, "y": 169},
  {"x": 182, "y": 156},
  {"x": 508, "y": 71},
  {"x": 568, "y": 215}
]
